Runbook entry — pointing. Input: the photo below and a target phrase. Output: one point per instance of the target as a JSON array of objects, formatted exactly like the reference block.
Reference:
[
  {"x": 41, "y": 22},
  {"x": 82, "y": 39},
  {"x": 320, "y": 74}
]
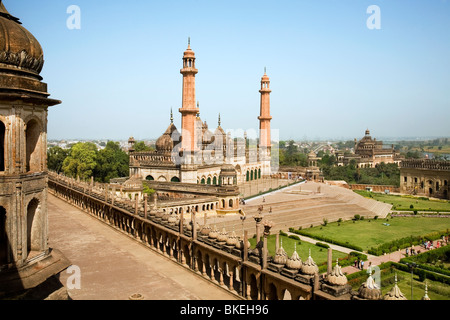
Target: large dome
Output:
[
  {"x": 168, "y": 140},
  {"x": 19, "y": 48}
]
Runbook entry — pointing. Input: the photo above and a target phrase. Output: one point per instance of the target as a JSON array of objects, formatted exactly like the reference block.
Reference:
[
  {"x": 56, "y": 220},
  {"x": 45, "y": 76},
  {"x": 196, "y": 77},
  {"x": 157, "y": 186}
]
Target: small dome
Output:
[
  {"x": 309, "y": 267},
  {"x": 213, "y": 233},
  {"x": 369, "y": 290},
  {"x": 232, "y": 240},
  {"x": 19, "y": 48},
  {"x": 205, "y": 230},
  {"x": 294, "y": 262},
  {"x": 281, "y": 255},
  {"x": 222, "y": 236},
  {"x": 336, "y": 277},
  {"x": 394, "y": 293},
  {"x": 426, "y": 297}
]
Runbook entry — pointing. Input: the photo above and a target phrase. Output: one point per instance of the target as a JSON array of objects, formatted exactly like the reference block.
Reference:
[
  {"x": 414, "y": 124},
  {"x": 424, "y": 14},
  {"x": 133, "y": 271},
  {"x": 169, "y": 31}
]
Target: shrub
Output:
[
  {"x": 294, "y": 237},
  {"x": 411, "y": 207},
  {"x": 323, "y": 245},
  {"x": 357, "y": 217}
]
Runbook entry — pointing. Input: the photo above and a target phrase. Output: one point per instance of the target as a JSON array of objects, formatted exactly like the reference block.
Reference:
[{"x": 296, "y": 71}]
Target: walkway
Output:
[{"x": 114, "y": 267}]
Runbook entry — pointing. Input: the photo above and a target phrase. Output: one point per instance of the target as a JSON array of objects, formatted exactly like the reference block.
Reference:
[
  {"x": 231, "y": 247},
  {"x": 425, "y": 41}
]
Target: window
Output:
[
  {"x": 149, "y": 178},
  {"x": 33, "y": 226},
  {"x": 33, "y": 154}
]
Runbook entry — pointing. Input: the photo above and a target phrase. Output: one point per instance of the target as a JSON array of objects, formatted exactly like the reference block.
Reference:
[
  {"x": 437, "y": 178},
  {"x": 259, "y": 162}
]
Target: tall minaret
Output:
[
  {"x": 189, "y": 109},
  {"x": 264, "y": 118}
]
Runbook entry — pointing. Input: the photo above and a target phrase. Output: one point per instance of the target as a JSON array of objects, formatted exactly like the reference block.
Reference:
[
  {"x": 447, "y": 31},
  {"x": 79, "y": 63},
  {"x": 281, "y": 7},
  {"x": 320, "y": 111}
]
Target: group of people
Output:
[
  {"x": 428, "y": 245},
  {"x": 360, "y": 264}
]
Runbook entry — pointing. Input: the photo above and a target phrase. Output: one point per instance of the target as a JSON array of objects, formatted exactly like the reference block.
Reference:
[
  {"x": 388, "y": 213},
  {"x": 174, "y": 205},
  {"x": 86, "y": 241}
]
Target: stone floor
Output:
[{"x": 115, "y": 267}]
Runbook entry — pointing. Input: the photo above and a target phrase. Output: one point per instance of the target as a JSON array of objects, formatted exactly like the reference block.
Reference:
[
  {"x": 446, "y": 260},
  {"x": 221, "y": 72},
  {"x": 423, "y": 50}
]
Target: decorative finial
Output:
[
  {"x": 171, "y": 115},
  {"x": 219, "y": 120},
  {"x": 198, "y": 104},
  {"x": 189, "y": 41},
  {"x": 265, "y": 70},
  {"x": 310, "y": 252}
]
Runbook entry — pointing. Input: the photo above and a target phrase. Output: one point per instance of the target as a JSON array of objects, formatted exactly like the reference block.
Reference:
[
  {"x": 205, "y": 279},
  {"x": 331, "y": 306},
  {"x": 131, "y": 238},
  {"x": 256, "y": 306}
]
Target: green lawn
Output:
[
  {"x": 405, "y": 202},
  {"x": 317, "y": 253},
  {"x": 370, "y": 233}
]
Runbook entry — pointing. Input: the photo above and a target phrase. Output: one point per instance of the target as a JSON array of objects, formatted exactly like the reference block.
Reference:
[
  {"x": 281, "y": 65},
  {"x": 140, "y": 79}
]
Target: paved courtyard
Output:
[{"x": 114, "y": 267}]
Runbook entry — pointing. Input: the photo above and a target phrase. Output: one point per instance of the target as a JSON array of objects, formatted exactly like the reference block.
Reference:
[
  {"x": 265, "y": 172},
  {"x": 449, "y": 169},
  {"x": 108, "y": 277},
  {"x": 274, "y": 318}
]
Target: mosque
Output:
[{"x": 196, "y": 154}]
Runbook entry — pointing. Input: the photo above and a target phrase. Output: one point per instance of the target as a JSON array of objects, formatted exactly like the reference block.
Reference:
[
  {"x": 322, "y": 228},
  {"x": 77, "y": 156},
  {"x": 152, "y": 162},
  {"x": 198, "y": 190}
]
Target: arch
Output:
[
  {"x": 230, "y": 203},
  {"x": 251, "y": 174},
  {"x": 4, "y": 243},
  {"x": 247, "y": 178},
  {"x": 253, "y": 288},
  {"x": 223, "y": 204},
  {"x": 272, "y": 293},
  {"x": 149, "y": 178},
  {"x": 175, "y": 179},
  {"x": 214, "y": 181},
  {"x": 33, "y": 226},
  {"x": 208, "y": 181},
  {"x": 33, "y": 146},
  {"x": 2, "y": 146},
  {"x": 202, "y": 181},
  {"x": 259, "y": 173}
]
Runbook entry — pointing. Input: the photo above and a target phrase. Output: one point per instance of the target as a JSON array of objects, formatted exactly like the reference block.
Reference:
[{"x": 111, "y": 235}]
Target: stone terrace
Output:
[{"x": 302, "y": 205}]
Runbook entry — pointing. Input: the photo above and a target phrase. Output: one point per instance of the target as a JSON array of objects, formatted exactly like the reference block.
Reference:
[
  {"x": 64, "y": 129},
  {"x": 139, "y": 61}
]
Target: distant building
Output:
[
  {"x": 368, "y": 153},
  {"x": 425, "y": 177}
]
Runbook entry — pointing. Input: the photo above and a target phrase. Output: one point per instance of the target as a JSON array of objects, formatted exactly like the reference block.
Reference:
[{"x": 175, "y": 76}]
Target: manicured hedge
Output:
[
  {"x": 406, "y": 242},
  {"x": 326, "y": 239}
]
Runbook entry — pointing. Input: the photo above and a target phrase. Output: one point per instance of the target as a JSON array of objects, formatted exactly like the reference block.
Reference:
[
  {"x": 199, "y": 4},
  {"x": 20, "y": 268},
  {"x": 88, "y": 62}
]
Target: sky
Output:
[{"x": 333, "y": 75}]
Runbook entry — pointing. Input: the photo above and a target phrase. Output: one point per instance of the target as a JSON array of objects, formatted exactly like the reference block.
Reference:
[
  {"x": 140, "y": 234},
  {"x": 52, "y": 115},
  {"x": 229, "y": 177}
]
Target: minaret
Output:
[
  {"x": 189, "y": 110},
  {"x": 264, "y": 147},
  {"x": 264, "y": 118}
]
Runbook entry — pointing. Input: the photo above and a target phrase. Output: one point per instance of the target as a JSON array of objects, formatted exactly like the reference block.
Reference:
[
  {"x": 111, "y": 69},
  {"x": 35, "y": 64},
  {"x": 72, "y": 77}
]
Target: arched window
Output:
[
  {"x": 2, "y": 146},
  {"x": 248, "y": 176},
  {"x": 259, "y": 173},
  {"x": 33, "y": 226},
  {"x": 215, "y": 181},
  {"x": 223, "y": 204},
  {"x": 208, "y": 181},
  {"x": 33, "y": 146},
  {"x": 4, "y": 244},
  {"x": 175, "y": 179},
  {"x": 230, "y": 203},
  {"x": 202, "y": 181},
  {"x": 149, "y": 178}
]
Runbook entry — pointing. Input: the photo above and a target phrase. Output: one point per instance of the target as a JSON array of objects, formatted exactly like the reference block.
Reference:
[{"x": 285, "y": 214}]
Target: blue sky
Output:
[{"x": 331, "y": 76}]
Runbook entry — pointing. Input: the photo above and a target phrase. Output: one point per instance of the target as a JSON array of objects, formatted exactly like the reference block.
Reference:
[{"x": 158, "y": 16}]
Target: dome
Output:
[
  {"x": 232, "y": 240},
  {"x": 168, "y": 140},
  {"x": 336, "y": 277},
  {"x": 280, "y": 255},
  {"x": 20, "y": 50},
  {"x": 213, "y": 233},
  {"x": 395, "y": 293},
  {"x": 294, "y": 262},
  {"x": 369, "y": 290},
  {"x": 222, "y": 236},
  {"x": 309, "y": 267}
]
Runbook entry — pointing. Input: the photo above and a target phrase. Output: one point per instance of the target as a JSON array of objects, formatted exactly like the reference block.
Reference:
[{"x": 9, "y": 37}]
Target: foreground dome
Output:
[{"x": 19, "y": 49}]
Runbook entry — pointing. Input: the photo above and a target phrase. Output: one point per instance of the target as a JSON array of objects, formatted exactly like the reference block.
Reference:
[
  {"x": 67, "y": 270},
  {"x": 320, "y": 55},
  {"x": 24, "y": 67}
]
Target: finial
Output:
[
  {"x": 310, "y": 252},
  {"x": 198, "y": 104},
  {"x": 265, "y": 70},
  {"x": 395, "y": 278},
  {"x": 189, "y": 41},
  {"x": 171, "y": 115},
  {"x": 219, "y": 120}
]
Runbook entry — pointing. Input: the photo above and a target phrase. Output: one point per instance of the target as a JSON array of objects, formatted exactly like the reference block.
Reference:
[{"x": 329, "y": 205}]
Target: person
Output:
[
  {"x": 362, "y": 265},
  {"x": 407, "y": 251},
  {"x": 356, "y": 263}
]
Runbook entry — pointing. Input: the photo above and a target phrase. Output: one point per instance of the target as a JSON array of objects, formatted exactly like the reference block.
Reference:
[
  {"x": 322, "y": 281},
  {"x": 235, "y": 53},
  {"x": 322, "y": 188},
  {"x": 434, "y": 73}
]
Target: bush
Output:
[
  {"x": 323, "y": 245},
  {"x": 294, "y": 237},
  {"x": 411, "y": 207},
  {"x": 356, "y": 217}
]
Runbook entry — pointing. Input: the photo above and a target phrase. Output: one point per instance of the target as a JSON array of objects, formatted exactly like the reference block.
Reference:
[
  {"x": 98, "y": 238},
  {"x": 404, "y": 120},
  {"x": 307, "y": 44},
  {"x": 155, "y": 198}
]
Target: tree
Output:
[
  {"x": 141, "y": 146},
  {"x": 81, "y": 161},
  {"x": 112, "y": 162},
  {"x": 55, "y": 158}
]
